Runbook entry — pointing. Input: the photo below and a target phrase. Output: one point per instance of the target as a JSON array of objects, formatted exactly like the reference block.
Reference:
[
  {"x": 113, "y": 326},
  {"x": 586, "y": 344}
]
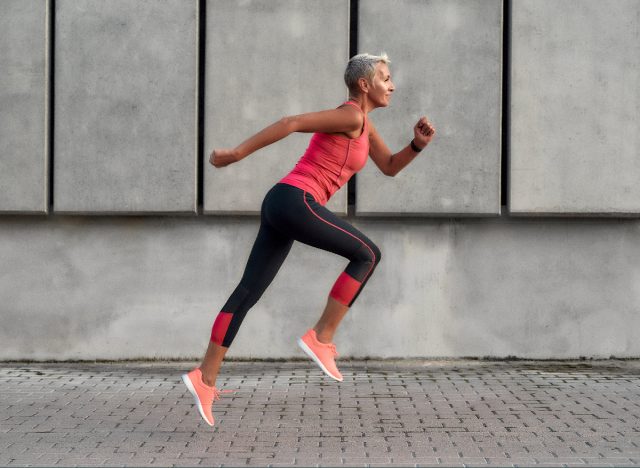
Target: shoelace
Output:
[
  {"x": 332, "y": 347},
  {"x": 216, "y": 393}
]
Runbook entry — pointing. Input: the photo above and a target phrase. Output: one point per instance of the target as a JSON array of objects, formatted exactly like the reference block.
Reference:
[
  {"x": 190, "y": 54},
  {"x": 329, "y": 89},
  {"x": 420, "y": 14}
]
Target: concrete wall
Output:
[
  {"x": 125, "y": 106},
  {"x": 151, "y": 287},
  {"x": 293, "y": 45},
  {"x": 23, "y": 106},
  {"x": 575, "y": 107},
  {"x": 484, "y": 283},
  {"x": 447, "y": 64}
]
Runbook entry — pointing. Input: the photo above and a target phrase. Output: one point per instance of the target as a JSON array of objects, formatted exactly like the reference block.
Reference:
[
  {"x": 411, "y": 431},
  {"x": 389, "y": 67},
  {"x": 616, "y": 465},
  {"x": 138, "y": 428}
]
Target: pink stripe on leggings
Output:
[
  {"x": 344, "y": 281},
  {"x": 220, "y": 327},
  {"x": 345, "y": 288}
]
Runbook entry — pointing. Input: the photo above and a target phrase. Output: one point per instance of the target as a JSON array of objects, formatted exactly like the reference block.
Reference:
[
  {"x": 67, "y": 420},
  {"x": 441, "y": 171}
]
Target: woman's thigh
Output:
[{"x": 296, "y": 213}]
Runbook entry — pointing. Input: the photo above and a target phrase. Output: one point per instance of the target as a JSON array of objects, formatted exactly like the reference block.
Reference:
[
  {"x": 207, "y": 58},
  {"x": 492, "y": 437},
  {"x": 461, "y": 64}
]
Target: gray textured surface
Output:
[
  {"x": 575, "y": 107},
  {"x": 125, "y": 106},
  {"x": 267, "y": 59},
  {"x": 23, "y": 106},
  {"x": 415, "y": 413},
  {"x": 151, "y": 287},
  {"x": 446, "y": 64}
]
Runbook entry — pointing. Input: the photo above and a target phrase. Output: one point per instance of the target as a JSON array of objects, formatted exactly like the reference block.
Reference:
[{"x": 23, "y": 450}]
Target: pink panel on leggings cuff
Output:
[
  {"x": 345, "y": 289},
  {"x": 220, "y": 327}
]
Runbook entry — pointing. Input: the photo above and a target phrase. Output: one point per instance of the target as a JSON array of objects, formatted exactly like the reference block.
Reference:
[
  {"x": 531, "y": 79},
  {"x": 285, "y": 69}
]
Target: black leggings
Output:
[{"x": 289, "y": 213}]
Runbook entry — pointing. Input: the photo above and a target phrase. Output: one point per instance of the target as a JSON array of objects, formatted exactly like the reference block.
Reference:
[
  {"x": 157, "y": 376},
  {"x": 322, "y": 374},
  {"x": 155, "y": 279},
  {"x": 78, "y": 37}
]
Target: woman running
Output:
[{"x": 294, "y": 209}]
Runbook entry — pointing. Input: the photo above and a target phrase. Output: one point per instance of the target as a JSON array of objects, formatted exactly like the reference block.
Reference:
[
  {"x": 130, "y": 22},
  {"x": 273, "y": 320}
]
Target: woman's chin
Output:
[{"x": 383, "y": 103}]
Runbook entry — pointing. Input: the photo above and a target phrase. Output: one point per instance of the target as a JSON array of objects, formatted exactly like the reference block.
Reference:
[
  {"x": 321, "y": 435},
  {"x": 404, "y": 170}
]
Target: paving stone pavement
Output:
[{"x": 384, "y": 413}]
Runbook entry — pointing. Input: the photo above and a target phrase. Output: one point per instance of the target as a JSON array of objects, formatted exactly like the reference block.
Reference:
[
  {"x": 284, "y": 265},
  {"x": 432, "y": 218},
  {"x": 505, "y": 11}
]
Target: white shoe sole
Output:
[
  {"x": 312, "y": 355},
  {"x": 187, "y": 382}
]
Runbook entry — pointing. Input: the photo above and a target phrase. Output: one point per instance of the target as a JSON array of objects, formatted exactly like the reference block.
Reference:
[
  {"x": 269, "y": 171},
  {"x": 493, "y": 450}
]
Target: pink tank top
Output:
[{"x": 329, "y": 162}]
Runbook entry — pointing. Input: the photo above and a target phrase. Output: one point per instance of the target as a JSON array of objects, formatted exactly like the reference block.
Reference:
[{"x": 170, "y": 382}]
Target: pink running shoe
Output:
[
  {"x": 322, "y": 353},
  {"x": 202, "y": 393}
]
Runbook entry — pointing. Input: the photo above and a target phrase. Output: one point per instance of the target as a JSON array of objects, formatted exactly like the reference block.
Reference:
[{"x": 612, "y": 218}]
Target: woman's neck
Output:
[{"x": 363, "y": 102}]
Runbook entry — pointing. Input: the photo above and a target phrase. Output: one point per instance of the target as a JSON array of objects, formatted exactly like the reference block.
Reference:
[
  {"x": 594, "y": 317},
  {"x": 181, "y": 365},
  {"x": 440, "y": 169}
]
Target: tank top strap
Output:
[
  {"x": 366, "y": 120},
  {"x": 353, "y": 104}
]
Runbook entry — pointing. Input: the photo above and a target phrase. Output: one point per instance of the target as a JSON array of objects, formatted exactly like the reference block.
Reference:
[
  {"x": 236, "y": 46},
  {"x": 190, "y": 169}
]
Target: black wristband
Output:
[{"x": 415, "y": 148}]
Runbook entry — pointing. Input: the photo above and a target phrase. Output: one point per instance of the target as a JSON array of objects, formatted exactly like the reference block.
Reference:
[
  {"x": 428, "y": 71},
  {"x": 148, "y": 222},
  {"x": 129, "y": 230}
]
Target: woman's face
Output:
[{"x": 381, "y": 87}]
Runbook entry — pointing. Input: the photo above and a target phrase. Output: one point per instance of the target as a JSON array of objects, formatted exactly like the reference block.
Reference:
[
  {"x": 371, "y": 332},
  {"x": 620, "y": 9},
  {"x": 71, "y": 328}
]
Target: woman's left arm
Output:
[{"x": 390, "y": 164}]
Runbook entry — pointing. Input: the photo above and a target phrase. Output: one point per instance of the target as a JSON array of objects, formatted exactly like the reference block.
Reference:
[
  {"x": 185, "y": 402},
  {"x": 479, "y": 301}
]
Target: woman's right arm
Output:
[{"x": 343, "y": 119}]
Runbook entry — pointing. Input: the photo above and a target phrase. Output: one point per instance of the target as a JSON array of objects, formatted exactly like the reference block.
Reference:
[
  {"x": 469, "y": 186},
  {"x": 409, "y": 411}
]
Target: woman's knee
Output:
[
  {"x": 377, "y": 253},
  {"x": 370, "y": 253}
]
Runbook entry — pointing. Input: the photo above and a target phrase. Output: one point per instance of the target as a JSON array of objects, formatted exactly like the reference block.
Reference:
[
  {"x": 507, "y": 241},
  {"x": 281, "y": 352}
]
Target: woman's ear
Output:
[{"x": 363, "y": 84}]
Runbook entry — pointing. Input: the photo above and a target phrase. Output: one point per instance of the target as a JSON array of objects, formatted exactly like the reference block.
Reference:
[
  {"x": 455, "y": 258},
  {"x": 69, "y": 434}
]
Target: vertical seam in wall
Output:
[
  {"x": 506, "y": 103},
  {"x": 353, "y": 50},
  {"x": 49, "y": 105},
  {"x": 202, "y": 30}
]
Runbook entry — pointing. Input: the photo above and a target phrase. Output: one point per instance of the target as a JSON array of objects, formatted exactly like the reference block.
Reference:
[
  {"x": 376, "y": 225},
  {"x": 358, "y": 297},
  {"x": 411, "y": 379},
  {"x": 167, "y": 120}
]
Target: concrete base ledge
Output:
[{"x": 150, "y": 287}]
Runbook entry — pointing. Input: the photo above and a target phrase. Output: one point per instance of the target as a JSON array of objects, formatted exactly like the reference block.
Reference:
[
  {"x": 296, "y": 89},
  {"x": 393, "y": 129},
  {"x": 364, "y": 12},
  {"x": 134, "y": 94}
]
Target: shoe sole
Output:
[
  {"x": 313, "y": 356},
  {"x": 187, "y": 382}
]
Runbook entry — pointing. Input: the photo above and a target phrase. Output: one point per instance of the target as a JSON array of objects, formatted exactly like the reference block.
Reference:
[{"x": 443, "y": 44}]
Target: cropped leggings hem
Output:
[{"x": 290, "y": 213}]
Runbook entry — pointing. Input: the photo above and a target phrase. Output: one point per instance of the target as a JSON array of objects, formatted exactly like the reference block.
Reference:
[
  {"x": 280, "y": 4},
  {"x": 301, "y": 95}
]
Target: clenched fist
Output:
[
  {"x": 423, "y": 132},
  {"x": 223, "y": 157}
]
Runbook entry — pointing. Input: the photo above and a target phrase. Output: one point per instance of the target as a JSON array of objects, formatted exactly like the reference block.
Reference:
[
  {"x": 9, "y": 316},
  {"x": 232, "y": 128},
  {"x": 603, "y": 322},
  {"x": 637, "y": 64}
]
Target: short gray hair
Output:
[{"x": 362, "y": 66}]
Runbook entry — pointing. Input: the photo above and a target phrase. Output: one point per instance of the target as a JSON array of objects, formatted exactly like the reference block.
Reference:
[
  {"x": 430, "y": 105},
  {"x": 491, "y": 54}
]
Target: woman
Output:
[{"x": 294, "y": 210}]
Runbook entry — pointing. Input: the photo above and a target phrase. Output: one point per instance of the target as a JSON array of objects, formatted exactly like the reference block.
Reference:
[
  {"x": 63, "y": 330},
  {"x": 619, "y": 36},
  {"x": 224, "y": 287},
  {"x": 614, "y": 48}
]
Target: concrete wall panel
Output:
[
  {"x": 447, "y": 64},
  {"x": 575, "y": 107},
  {"x": 474, "y": 287},
  {"x": 23, "y": 106},
  {"x": 267, "y": 59},
  {"x": 125, "y": 106}
]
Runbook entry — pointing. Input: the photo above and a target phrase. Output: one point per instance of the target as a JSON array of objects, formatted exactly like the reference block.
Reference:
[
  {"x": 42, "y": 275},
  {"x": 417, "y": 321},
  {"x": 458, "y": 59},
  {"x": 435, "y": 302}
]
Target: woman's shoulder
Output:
[
  {"x": 358, "y": 116},
  {"x": 351, "y": 105},
  {"x": 353, "y": 108}
]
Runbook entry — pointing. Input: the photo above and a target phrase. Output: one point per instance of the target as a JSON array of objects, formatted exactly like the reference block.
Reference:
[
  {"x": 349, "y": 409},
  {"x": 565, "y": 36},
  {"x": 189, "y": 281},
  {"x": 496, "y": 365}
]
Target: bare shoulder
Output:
[
  {"x": 355, "y": 114},
  {"x": 337, "y": 120},
  {"x": 355, "y": 117}
]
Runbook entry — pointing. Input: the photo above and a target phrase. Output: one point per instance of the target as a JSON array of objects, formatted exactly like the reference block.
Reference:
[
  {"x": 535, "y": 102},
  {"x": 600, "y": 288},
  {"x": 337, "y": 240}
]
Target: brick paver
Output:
[{"x": 384, "y": 413}]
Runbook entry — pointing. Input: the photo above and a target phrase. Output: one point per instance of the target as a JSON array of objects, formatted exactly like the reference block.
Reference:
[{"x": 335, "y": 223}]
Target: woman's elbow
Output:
[
  {"x": 288, "y": 123},
  {"x": 391, "y": 172}
]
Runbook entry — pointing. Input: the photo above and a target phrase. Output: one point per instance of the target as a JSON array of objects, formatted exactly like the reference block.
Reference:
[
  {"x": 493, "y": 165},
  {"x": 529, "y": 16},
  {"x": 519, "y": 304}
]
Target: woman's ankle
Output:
[
  {"x": 323, "y": 336},
  {"x": 208, "y": 379}
]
